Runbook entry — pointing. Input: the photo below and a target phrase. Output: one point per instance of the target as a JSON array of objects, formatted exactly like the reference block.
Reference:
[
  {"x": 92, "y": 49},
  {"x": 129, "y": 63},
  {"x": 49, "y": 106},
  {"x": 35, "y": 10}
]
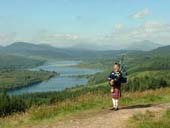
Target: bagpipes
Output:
[{"x": 123, "y": 69}]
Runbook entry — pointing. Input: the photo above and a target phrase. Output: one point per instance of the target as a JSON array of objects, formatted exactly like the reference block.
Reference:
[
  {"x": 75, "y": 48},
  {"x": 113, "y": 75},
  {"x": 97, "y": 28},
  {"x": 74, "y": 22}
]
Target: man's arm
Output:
[{"x": 111, "y": 79}]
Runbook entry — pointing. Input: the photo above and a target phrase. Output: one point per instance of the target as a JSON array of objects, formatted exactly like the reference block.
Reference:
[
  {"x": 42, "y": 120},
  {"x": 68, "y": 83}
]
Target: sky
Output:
[{"x": 102, "y": 24}]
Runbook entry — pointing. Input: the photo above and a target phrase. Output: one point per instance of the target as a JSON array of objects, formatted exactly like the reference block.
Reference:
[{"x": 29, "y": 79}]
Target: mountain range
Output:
[
  {"x": 47, "y": 51},
  {"x": 163, "y": 50}
]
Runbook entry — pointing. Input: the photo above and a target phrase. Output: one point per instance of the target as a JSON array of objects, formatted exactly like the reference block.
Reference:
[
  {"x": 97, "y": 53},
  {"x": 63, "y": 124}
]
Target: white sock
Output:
[{"x": 116, "y": 103}]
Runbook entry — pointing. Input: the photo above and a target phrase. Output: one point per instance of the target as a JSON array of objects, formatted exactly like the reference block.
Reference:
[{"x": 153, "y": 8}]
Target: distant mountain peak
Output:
[
  {"x": 20, "y": 44},
  {"x": 162, "y": 49},
  {"x": 29, "y": 46}
]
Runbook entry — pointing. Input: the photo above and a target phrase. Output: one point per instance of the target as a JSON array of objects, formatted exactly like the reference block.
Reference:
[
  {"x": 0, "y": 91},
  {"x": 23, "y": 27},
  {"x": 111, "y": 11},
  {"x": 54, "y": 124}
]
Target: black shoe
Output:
[{"x": 116, "y": 109}]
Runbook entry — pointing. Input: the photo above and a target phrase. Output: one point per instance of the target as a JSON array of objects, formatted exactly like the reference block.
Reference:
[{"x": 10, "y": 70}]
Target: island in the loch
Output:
[
  {"x": 14, "y": 73},
  {"x": 15, "y": 79}
]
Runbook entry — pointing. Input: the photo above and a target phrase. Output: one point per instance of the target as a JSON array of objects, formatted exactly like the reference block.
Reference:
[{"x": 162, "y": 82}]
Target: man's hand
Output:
[{"x": 111, "y": 82}]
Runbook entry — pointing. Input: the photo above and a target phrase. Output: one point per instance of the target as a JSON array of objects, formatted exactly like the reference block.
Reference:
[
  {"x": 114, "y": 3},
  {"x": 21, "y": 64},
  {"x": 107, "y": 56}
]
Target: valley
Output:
[{"x": 87, "y": 90}]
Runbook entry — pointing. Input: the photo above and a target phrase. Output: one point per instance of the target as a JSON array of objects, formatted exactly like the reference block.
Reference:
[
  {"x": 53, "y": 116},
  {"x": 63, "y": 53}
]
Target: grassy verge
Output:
[
  {"x": 151, "y": 120},
  {"x": 91, "y": 101}
]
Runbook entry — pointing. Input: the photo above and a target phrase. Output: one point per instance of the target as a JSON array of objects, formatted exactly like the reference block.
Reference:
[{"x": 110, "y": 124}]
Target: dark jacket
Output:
[{"x": 116, "y": 76}]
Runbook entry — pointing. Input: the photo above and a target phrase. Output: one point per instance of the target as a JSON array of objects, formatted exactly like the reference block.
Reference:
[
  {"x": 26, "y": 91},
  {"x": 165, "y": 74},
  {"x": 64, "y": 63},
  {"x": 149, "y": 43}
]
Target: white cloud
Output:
[
  {"x": 119, "y": 26},
  {"x": 57, "y": 39},
  {"x": 121, "y": 36},
  {"x": 155, "y": 31},
  {"x": 64, "y": 36},
  {"x": 140, "y": 14},
  {"x": 6, "y": 38}
]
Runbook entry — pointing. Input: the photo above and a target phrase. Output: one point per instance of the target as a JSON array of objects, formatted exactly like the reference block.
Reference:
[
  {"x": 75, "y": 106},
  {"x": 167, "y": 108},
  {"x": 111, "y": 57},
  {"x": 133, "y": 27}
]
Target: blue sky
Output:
[{"x": 66, "y": 23}]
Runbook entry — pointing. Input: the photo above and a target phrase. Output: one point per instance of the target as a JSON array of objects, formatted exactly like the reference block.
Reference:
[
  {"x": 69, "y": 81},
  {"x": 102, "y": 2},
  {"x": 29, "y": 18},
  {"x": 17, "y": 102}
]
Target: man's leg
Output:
[{"x": 116, "y": 103}]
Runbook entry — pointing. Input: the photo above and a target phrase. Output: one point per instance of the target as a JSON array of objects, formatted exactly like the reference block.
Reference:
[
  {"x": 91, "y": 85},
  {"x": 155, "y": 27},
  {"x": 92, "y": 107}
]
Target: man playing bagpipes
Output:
[
  {"x": 115, "y": 83},
  {"x": 116, "y": 78}
]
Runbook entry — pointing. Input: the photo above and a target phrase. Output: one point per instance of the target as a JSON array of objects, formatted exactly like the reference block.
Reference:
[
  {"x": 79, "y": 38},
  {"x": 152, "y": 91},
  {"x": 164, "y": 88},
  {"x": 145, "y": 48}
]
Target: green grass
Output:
[
  {"x": 87, "y": 102},
  {"x": 151, "y": 120}
]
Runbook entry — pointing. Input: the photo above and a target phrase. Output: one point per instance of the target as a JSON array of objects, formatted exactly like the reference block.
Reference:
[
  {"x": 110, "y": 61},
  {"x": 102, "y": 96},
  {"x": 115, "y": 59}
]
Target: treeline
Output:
[
  {"x": 138, "y": 81},
  {"x": 12, "y": 104},
  {"x": 148, "y": 80},
  {"x": 9, "y": 105},
  {"x": 148, "y": 63}
]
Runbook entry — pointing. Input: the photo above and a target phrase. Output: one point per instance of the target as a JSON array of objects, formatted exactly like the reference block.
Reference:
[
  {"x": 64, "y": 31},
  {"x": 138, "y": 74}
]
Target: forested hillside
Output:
[{"x": 18, "y": 62}]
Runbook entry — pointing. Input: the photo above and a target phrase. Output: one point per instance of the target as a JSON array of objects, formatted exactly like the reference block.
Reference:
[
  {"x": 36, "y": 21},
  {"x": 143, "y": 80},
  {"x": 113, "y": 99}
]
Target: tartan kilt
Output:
[{"x": 116, "y": 94}]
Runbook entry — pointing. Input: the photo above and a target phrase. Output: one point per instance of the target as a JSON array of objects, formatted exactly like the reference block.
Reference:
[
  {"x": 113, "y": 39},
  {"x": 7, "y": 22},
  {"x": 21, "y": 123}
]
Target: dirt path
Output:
[{"x": 106, "y": 118}]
